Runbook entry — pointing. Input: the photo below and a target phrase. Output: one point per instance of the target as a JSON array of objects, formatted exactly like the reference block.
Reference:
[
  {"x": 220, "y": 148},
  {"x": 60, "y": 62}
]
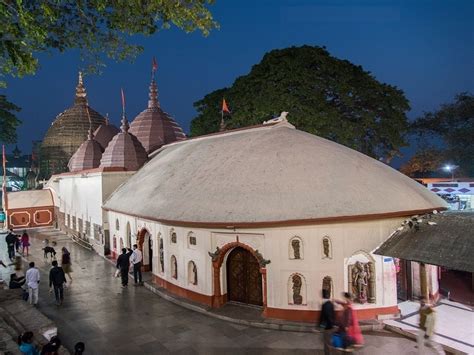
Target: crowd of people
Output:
[
  {"x": 344, "y": 332},
  {"x": 27, "y": 346},
  {"x": 127, "y": 260},
  {"x": 17, "y": 246}
]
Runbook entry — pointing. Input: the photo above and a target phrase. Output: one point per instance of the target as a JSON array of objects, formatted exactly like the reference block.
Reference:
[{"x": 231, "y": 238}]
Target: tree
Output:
[
  {"x": 324, "y": 95},
  {"x": 8, "y": 120},
  {"x": 424, "y": 163},
  {"x": 97, "y": 28},
  {"x": 454, "y": 124}
]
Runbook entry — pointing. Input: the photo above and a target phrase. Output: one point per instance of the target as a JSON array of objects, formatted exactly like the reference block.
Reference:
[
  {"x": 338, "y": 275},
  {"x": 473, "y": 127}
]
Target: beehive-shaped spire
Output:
[
  {"x": 153, "y": 127},
  {"x": 124, "y": 150}
]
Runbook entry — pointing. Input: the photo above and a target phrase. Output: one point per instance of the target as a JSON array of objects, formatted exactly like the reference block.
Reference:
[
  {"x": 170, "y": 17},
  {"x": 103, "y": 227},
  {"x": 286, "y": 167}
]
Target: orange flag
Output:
[{"x": 225, "y": 108}]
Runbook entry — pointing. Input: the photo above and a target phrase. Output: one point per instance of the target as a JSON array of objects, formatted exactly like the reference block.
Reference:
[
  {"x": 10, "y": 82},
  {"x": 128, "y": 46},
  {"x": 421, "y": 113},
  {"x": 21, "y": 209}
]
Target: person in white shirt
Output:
[
  {"x": 136, "y": 260},
  {"x": 32, "y": 281}
]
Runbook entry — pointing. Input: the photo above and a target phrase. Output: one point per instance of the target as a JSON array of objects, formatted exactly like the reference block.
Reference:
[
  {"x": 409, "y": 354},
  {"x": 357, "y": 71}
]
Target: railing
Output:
[{"x": 83, "y": 243}]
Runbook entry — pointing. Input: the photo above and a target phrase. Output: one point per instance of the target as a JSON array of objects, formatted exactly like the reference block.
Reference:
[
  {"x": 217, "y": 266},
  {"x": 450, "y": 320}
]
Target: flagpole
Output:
[{"x": 4, "y": 187}]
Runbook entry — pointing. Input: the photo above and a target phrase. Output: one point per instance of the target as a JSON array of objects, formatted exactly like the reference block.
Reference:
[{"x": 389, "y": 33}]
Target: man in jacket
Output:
[
  {"x": 136, "y": 260},
  {"x": 123, "y": 264},
  {"x": 57, "y": 279},
  {"x": 11, "y": 239}
]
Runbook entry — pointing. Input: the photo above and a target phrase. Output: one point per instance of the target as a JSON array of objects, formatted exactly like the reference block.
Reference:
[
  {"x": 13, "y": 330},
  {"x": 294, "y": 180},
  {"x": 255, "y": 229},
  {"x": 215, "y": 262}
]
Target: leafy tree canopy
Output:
[
  {"x": 324, "y": 95},
  {"x": 95, "y": 27},
  {"x": 426, "y": 162},
  {"x": 454, "y": 123},
  {"x": 8, "y": 120}
]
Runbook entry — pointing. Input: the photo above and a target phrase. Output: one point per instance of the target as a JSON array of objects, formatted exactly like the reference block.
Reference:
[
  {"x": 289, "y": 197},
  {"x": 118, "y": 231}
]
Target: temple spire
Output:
[
  {"x": 80, "y": 91},
  {"x": 153, "y": 95}
]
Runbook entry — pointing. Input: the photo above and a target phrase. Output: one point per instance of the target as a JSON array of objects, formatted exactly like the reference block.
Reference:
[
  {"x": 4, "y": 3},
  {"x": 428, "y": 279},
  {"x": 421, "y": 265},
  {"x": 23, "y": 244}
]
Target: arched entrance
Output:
[
  {"x": 244, "y": 279},
  {"x": 145, "y": 244}
]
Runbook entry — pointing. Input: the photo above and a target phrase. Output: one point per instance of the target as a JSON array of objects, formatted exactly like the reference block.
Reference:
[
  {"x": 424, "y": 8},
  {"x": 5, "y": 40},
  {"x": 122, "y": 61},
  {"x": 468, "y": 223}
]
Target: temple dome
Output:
[
  {"x": 124, "y": 151},
  {"x": 153, "y": 127},
  {"x": 104, "y": 133},
  {"x": 67, "y": 132},
  {"x": 264, "y": 176},
  {"x": 87, "y": 156}
]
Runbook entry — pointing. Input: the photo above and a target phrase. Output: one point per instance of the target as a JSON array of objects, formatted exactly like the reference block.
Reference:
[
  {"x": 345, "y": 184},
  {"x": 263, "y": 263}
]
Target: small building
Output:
[
  {"x": 30, "y": 209},
  {"x": 267, "y": 216},
  {"x": 434, "y": 254},
  {"x": 458, "y": 193}
]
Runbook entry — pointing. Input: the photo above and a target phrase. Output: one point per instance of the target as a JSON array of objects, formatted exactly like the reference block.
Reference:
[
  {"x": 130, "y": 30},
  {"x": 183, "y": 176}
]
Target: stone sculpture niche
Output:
[
  {"x": 296, "y": 245},
  {"x": 297, "y": 284},
  {"x": 327, "y": 285},
  {"x": 326, "y": 248},
  {"x": 162, "y": 255},
  {"x": 174, "y": 267},
  {"x": 362, "y": 282}
]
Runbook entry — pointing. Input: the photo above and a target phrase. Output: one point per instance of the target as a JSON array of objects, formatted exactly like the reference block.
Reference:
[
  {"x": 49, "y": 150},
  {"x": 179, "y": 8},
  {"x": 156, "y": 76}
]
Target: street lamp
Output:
[{"x": 451, "y": 168}]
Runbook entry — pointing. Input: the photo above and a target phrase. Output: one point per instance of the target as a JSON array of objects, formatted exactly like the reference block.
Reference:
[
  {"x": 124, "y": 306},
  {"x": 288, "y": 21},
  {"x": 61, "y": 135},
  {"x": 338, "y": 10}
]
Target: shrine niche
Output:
[
  {"x": 161, "y": 253},
  {"x": 297, "y": 290},
  {"x": 117, "y": 225},
  {"x": 174, "y": 267},
  {"x": 296, "y": 248},
  {"x": 192, "y": 273},
  {"x": 361, "y": 276},
  {"x": 327, "y": 286},
  {"x": 173, "y": 236},
  {"x": 326, "y": 248}
]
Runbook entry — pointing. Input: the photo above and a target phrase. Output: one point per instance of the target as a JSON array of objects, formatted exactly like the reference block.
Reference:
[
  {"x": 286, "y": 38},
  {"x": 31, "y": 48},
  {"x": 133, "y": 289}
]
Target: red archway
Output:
[{"x": 218, "y": 299}]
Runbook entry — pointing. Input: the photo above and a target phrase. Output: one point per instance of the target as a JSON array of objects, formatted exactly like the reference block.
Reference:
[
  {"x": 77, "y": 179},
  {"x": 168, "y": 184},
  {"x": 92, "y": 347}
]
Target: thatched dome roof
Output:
[{"x": 269, "y": 175}]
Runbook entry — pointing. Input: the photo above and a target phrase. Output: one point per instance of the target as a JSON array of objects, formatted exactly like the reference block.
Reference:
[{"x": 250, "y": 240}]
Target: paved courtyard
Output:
[{"x": 112, "y": 320}]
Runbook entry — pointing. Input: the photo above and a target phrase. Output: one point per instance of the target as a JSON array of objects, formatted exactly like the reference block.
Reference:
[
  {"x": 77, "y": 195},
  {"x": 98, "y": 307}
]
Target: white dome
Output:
[{"x": 268, "y": 175}]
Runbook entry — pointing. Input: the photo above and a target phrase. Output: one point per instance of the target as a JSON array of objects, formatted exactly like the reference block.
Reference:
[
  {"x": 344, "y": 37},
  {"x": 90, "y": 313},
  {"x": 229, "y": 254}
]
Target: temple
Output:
[{"x": 267, "y": 216}]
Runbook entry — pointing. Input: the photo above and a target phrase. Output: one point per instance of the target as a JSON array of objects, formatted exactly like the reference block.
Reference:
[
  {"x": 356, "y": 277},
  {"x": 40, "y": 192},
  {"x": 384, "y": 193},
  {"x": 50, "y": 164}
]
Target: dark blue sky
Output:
[{"x": 423, "y": 47}]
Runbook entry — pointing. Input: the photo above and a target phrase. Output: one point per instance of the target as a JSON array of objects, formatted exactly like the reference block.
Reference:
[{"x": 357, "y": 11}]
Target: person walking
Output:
[
  {"x": 25, "y": 242},
  {"x": 123, "y": 264},
  {"x": 350, "y": 323},
  {"x": 66, "y": 262},
  {"x": 11, "y": 239},
  {"x": 326, "y": 321},
  {"x": 427, "y": 323},
  {"x": 136, "y": 260},
  {"x": 25, "y": 343},
  {"x": 57, "y": 279},
  {"x": 32, "y": 281}
]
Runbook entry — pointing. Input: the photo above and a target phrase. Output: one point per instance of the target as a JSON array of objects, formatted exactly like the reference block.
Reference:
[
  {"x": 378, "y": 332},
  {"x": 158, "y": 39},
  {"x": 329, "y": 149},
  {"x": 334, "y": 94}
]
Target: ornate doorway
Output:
[{"x": 244, "y": 280}]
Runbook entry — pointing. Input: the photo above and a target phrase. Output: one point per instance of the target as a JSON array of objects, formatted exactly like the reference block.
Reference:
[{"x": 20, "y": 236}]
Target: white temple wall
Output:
[
  {"x": 81, "y": 196},
  {"x": 349, "y": 242}
]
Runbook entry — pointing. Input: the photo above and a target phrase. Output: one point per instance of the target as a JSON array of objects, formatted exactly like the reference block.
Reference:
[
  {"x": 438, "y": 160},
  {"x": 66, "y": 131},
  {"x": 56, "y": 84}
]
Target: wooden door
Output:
[
  {"x": 244, "y": 280},
  {"x": 404, "y": 280}
]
